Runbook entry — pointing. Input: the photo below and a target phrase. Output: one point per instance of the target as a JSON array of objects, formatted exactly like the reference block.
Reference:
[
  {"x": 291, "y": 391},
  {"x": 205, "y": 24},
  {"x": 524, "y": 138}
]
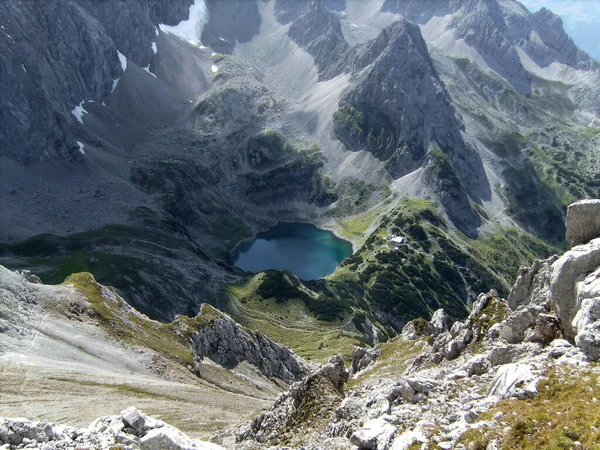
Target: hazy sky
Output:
[{"x": 581, "y": 19}]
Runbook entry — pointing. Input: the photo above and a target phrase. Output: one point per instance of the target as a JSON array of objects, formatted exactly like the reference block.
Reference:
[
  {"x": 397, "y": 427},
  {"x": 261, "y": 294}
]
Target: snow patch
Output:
[
  {"x": 115, "y": 84},
  {"x": 154, "y": 48},
  {"x": 23, "y": 67},
  {"x": 190, "y": 30},
  {"x": 156, "y": 31},
  {"x": 81, "y": 147},
  {"x": 78, "y": 112},
  {"x": 123, "y": 60},
  {"x": 147, "y": 69},
  {"x": 214, "y": 68}
]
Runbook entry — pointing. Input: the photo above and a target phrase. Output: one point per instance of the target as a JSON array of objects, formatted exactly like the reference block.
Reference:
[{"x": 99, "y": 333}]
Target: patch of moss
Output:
[{"x": 207, "y": 316}]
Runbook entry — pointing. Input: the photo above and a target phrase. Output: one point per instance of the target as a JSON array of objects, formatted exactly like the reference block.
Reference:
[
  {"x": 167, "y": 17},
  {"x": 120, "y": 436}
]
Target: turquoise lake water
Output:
[{"x": 301, "y": 248}]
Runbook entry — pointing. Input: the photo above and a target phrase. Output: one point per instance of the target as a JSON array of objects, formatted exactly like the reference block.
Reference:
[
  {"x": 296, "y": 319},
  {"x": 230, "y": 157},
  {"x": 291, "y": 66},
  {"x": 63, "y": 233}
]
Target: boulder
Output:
[
  {"x": 363, "y": 357},
  {"x": 30, "y": 277},
  {"x": 376, "y": 434},
  {"x": 439, "y": 322},
  {"x": 513, "y": 328},
  {"x": 583, "y": 222},
  {"x": 403, "y": 390},
  {"x": 588, "y": 341},
  {"x": 574, "y": 265},
  {"x": 546, "y": 329},
  {"x": 169, "y": 438},
  {"x": 478, "y": 365},
  {"x": 513, "y": 380},
  {"x": 532, "y": 284},
  {"x": 134, "y": 419}
]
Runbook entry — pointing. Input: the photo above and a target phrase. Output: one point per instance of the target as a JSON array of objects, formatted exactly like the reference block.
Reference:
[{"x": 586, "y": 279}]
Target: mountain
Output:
[{"x": 143, "y": 141}]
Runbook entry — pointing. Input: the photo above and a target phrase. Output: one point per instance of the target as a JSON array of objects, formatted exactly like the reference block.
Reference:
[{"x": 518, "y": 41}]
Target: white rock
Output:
[
  {"x": 169, "y": 438},
  {"x": 478, "y": 365},
  {"x": 439, "y": 321},
  {"x": 406, "y": 439},
  {"x": 566, "y": 271},
  {"x": 376, "y": 434},
  {"x": 588, "y": 340},
  {"x": 513, "y": 380},
  {"x": 134, "y": 418}
]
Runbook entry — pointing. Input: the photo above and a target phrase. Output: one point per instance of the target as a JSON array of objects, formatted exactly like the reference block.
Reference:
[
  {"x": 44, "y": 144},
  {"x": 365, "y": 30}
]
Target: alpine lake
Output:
[{"x": 301, "y": 248}]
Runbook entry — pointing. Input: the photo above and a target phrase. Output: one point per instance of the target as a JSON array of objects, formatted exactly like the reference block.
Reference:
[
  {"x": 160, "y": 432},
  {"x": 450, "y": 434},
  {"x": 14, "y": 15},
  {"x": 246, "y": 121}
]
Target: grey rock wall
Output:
[
  {"x": 583, "y": 222},
  {"x": 224, "y": 342}
]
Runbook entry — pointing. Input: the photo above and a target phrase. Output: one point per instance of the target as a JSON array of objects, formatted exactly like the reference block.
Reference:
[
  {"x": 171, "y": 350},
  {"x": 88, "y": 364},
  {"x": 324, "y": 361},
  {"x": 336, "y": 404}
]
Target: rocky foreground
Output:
[
  {"x": 130, "y": 429},
  {"x": 516, "y": 370}
]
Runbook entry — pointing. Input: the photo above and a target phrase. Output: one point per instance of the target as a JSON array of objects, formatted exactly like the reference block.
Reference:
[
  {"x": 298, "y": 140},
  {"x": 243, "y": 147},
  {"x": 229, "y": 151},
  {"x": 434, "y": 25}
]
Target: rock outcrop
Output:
[
  {"x": 223, "y": 341},
  {"x": 304, "y": 407},
  {"x": 583, "y": 222},
  {"x": 132, "y": 429}
]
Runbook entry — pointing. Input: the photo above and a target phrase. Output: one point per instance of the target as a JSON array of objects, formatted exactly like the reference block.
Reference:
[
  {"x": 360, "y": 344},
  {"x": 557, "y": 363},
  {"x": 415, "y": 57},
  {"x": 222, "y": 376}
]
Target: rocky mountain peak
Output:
[{"x": 558, "y": 45}]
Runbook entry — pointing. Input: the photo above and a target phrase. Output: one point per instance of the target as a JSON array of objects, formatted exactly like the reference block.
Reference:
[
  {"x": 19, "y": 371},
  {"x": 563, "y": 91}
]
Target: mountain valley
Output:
[{"x": 142, "y": 142}]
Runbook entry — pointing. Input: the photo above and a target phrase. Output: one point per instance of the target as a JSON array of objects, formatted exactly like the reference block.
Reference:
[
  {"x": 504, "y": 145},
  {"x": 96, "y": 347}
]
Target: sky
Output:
[{"x": 581, "y": 19}]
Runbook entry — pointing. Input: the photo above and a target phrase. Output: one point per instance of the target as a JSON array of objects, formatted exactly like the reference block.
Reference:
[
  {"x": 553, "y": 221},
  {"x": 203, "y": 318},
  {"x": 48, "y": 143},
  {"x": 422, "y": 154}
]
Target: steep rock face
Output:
[
  {"x": 393, "y": 129},
  {"x": 565, "y": 285},
  {"x": 583, "y": 222},
  {"x": 37, "y": 94},
  {"x": 57, "y": 55},
  {"x": 482, "y": 25},
  {"x": 577, "y": 262},
  {"x": 319, "y": 32},
  {"x": 398, "y": 106},
  {"x": 498, "y": 31},
  {"x": 555, "y": 45},
  {"x": 230, "y": 22},
  {"x": 132, "y": 26},
  {"x": 223, "y": 341},
  {"x": 396, "y": 129}
]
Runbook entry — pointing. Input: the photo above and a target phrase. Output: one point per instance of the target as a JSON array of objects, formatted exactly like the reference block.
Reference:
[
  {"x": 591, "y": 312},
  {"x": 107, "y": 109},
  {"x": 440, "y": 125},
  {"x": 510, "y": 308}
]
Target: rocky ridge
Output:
[{"x": 227, "y": 344}]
